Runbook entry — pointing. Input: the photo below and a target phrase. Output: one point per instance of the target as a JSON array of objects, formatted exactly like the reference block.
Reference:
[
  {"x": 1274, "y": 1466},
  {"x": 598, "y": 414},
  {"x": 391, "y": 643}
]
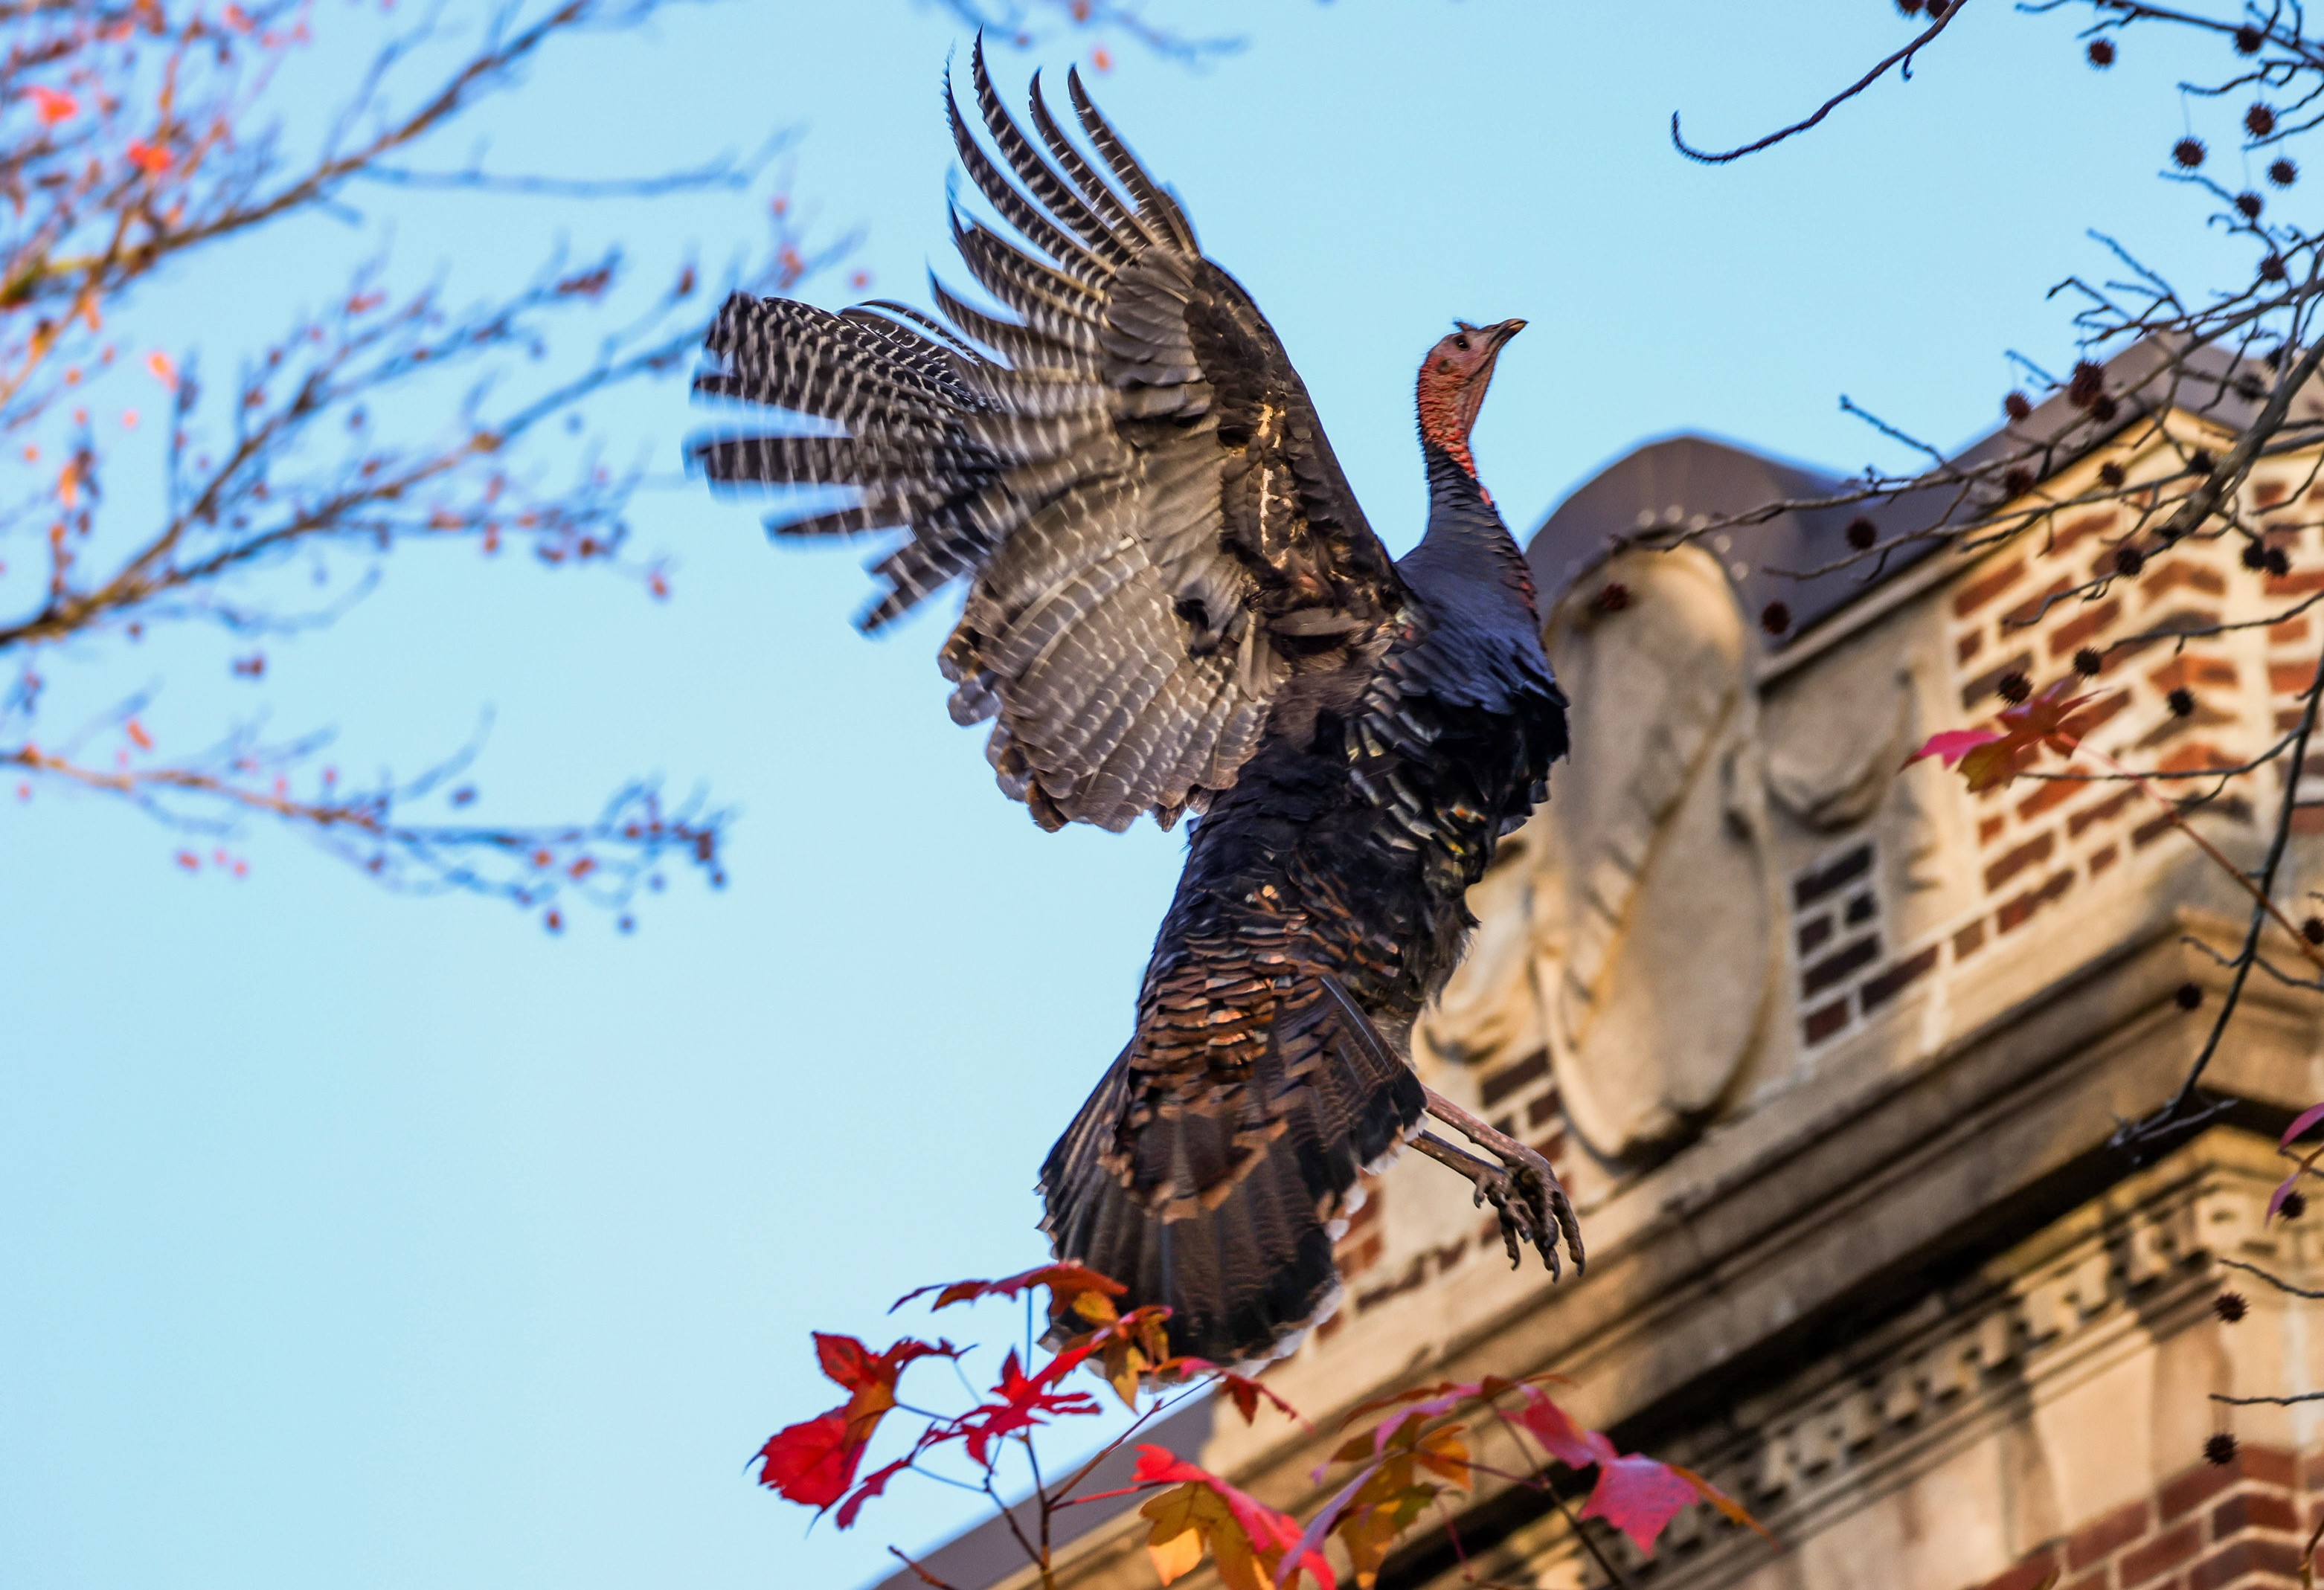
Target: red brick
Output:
[
  {"x": 2067, "y": 636},
  {"x": 2158, "y": 1557},
  {"x": 1989, "y": 828},
  {"x": 2197, "y": 756},
  {"x": 2285, "y": 678},
  {"x": 2096, "y": 1579},
  {"x": 1967, "y": 941},
  {"x": 2030, "y": 1573},
  {"x": 2032, "y": 853},
  {"x": 2075, "y": 530},
  {"x": 2169, "y": 576},
  {"x": 2032, "y": 609},
  {"x": 2013, "y": 912},
  {"x": 1967, "y": 646},
  {"x": 2109, "y": 1534},
  {"x": 2271, "y": 1466},
  {"x": 2195, "y": 672},
  {"x": 2054, "y": 792},
  {"x": 2297, "y": 583},
  {"x": 2104, "y": 857},
  {"x": 2253, "y": 1509},
  {"x": 2110, "y": 807},
  {"x": 1978, "y": 592},
  {"x": 2288, "y": 631},
  {"x": 2191, "y": 1489},
  {"x": 2312, "y": 1472},
  {"x": 2194, "y": 1485},
  {"x": 2234, "y": 1564}
]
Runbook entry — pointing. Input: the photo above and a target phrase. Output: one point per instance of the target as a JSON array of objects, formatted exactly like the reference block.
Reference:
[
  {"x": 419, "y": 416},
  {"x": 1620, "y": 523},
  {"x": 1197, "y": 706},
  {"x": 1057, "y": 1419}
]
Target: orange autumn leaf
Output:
[
  {"x": 149, "y": 158},
  {"x": 164, "y": 368},
  {"x": 1988, "y": 759},
  {"x": 138, "y": 736},
  {"x": 53, "y": 106}
]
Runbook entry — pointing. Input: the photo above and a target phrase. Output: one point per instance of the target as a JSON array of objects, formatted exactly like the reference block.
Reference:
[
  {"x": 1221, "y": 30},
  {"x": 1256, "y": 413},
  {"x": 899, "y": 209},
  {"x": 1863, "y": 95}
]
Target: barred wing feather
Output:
[{"x": 1122, "y": 462}]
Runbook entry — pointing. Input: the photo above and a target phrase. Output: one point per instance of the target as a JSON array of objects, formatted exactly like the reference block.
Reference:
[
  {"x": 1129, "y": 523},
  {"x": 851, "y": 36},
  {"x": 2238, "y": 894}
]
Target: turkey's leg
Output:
[
  {"x": 1532, "y": 1179},
  {"x": 1520, "y": 1227}
]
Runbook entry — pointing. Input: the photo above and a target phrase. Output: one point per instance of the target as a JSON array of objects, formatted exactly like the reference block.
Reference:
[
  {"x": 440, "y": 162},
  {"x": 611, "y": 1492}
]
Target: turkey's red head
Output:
[{"x": 1452, "y": 382}]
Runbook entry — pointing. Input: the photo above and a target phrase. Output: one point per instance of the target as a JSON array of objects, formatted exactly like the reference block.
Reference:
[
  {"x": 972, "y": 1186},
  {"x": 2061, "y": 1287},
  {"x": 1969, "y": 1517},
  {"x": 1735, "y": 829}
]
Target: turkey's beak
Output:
[{"x": 1502, "y": 333}]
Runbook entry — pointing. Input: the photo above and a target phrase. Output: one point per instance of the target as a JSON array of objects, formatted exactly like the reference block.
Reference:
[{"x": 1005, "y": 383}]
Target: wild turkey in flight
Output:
[{"x": 1175, "y": 605}]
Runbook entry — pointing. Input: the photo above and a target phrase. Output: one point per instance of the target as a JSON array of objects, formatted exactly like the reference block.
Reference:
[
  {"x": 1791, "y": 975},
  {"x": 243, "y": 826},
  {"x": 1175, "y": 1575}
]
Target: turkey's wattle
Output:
[{"x": 1175, "y": 605}]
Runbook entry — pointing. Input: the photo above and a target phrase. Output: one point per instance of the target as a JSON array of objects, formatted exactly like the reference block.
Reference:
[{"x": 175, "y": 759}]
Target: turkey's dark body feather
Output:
[
  {"x": 1175, "y": 603},
  {"x": 1210, "y": 1166}
]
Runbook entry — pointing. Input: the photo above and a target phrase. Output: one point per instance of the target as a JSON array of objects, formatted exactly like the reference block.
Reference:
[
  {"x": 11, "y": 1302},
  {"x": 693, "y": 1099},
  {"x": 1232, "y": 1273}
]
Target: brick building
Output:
[{"x": 1831, "y": 1051}]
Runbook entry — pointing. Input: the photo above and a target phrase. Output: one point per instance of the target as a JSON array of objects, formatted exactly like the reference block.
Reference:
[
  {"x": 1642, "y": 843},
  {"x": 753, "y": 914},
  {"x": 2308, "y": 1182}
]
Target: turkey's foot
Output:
[
  {"x": 1532, "y": 1186},
  {"x": 1521, "y": 1226}
]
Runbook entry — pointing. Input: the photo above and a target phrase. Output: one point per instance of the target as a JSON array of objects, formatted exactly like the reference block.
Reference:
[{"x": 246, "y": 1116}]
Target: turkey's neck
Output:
[{"x": 1466, "y": 541}]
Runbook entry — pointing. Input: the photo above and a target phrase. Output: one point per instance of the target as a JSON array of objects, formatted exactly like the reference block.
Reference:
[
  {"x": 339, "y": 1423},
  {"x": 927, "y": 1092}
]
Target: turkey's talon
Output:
[{"x": 1527, "y": 1181}]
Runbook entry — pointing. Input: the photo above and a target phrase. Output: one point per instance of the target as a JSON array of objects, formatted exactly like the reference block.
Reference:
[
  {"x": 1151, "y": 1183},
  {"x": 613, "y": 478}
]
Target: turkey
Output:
[{"x": 1175, "y": 606}]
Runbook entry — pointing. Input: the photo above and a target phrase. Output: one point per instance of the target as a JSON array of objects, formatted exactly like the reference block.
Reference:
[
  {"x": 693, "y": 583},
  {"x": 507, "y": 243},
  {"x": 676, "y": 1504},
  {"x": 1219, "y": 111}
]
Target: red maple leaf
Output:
[
  {"x": 810, "y": 1463},
  {"x": 1026, "y": 1401},
  {"x": 1067, "y": 1284},
  {"x": 814, "y": 1462},
  {"x": 1637, "y": 1495},
  {"x": 1990, "y": 757},
  {"x": 1241, "y": 1390},
  {"x": 1249, "y": 1555}
]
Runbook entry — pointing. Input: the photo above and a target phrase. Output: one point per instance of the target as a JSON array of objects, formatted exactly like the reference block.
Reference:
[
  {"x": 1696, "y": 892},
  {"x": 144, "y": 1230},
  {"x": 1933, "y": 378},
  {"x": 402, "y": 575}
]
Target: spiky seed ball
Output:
[
  {"x": 1775, "y": 618},
  {"x": 2189, "y": 997},
  {"x": 2017, "y": 406},
  {"x": 2200, "y": 461},
  {"x": 2230, "y": 1306},
  {"x": 2248, "y": 38},
  {"x": 2249, "y": 205},
  {"x": 2278, "y": 562},
  {"x": 1909, "y": 7},
  {"x": 2187, "y": 154},
  {"x": 2259, "y": 121},
  {"x": 2250, "y": 388},
  {"x": 2111, "y": 472},
  {"x": 2181, "y": 703},
  {"x": 1936, "y": 8},
  {"x": 2017, "y": 482},
  {"x": 2128, "y": 561},
  {"x": 2103, "y": 409},
  {"x": 2101, "y": 53},
  {"x": 1612, "y": 597},
  {"x": 2294, "y": 1205},
  {"x": 2270, "y": 268},
  {"x": 1862, "y": 533},
  {"x": 2013, "y": 687},
  {"x": 2255, "y": 556},
  {"x": 2221, "y": 1449},
  {"x": 2312, "y": 930},
  {"x": 2087, "y": 662},
  {"x": 2283, "y": 172},
  {"x": 2083, "y": 387}
]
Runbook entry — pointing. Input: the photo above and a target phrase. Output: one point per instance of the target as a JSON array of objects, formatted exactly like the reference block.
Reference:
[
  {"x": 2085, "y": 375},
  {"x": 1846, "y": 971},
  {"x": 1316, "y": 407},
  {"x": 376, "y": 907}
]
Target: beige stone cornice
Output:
[{"x": 1827, "y": 1201}]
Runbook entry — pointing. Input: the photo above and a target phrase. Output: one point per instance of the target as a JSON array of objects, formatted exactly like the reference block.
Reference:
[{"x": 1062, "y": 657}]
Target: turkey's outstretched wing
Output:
[{"x": 1125, "y": 465}]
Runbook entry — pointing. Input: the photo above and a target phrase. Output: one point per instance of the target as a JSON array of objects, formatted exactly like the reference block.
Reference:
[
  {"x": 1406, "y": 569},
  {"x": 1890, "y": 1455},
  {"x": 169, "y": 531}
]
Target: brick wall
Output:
[{"x": 2240, "y": 1526}]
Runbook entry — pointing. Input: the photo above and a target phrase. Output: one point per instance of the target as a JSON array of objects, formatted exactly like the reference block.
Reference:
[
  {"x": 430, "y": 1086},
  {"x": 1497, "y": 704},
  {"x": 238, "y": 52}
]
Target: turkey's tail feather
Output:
[{"x": 1236, "y": 1238}]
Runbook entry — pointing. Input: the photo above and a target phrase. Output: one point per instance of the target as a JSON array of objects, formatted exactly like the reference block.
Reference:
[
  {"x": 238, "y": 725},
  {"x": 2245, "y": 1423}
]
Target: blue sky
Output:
[{"x": 384, "y": 1242}]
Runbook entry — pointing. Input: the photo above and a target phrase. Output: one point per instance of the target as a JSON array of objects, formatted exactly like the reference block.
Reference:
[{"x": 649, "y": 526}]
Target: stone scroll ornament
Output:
[{"x": 1628, "y": 928}]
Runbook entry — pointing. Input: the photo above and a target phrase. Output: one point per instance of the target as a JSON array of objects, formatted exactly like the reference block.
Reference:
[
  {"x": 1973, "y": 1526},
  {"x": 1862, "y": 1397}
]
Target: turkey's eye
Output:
[
  {"x": 1460, "y": 343},
  {"x": 1445, "y": 364}
]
